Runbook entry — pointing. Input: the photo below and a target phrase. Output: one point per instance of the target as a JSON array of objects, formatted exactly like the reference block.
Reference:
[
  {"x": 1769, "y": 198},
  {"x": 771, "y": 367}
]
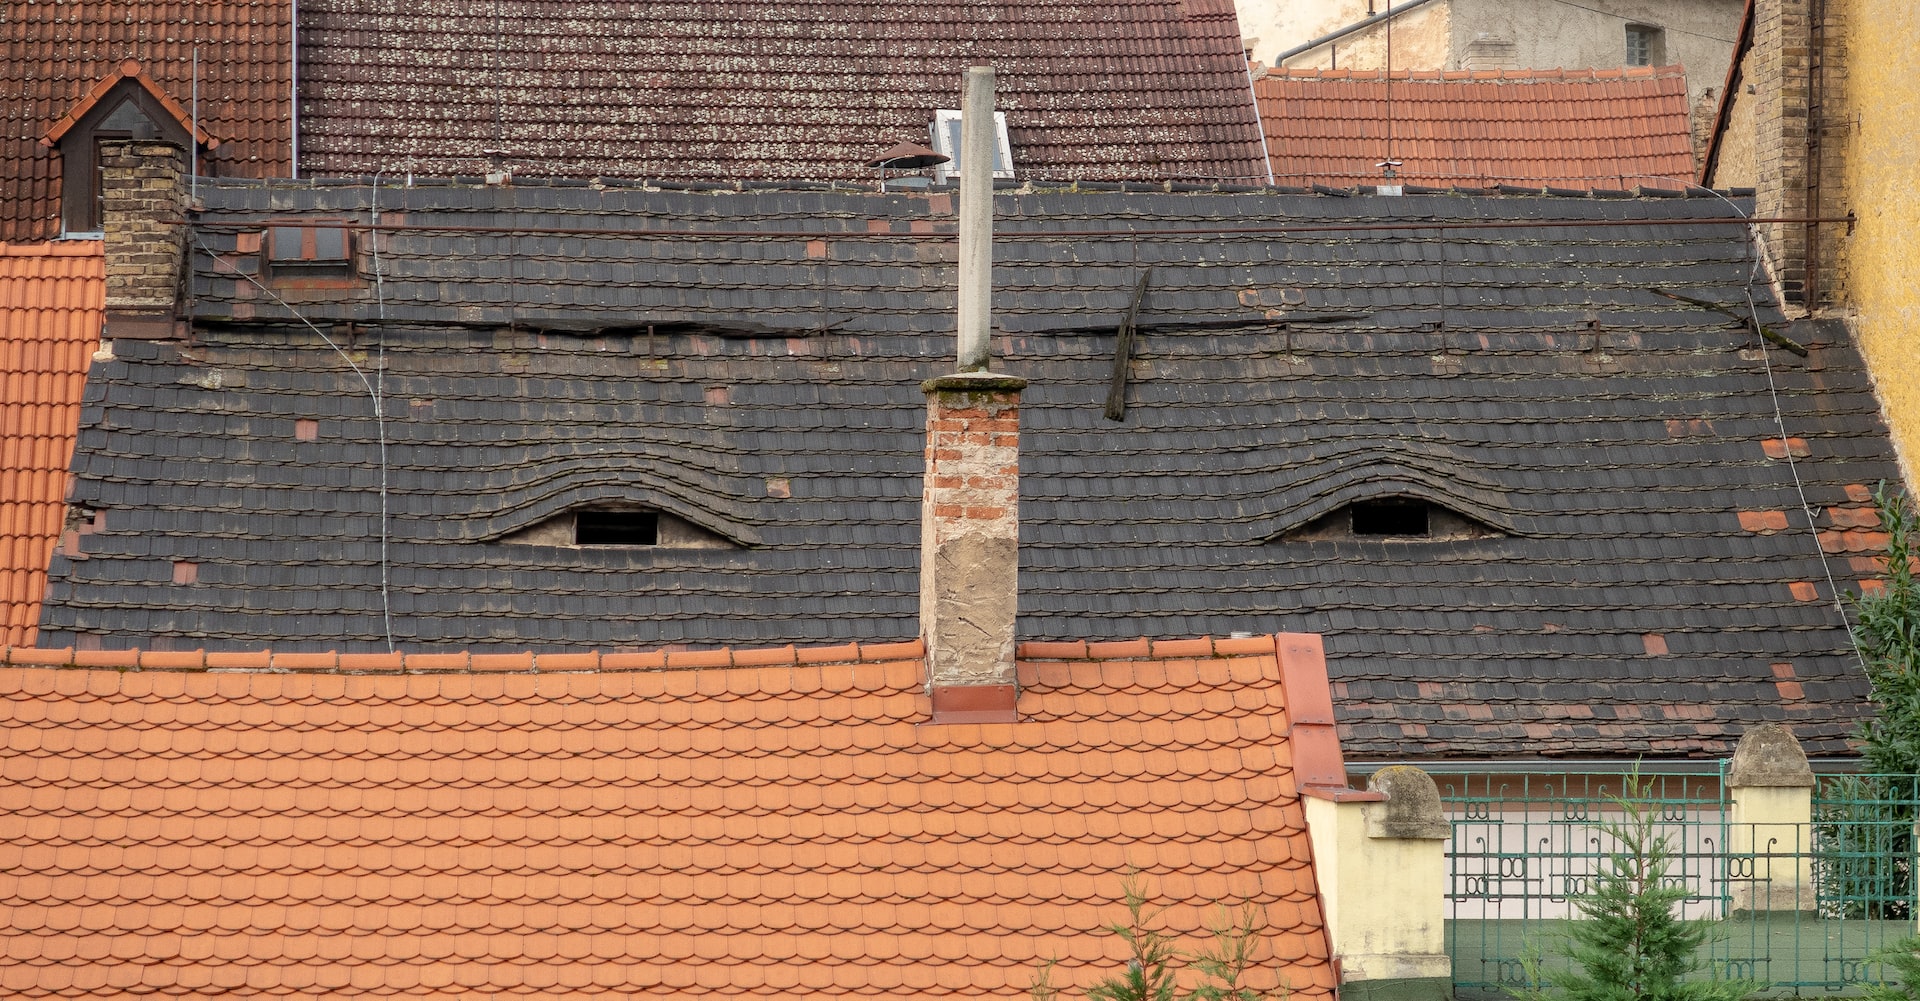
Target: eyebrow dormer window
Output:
[
  {"x": 618, "y": 527},
  {"x": 1394, "y": 518}
]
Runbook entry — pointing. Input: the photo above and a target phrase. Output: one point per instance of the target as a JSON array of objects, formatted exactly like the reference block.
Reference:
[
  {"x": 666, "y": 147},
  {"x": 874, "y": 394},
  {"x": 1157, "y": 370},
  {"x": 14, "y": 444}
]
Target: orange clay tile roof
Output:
[
  {"x": 770, "y": 823},
  {"x": 1621, "y": 128},
  {"x": 52, "y": 301},
  {"x": 55, "y": 54}
]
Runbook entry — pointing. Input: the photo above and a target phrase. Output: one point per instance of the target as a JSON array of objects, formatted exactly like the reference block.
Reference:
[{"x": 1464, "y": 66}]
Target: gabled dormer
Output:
[{"x": 126, "y": 104}]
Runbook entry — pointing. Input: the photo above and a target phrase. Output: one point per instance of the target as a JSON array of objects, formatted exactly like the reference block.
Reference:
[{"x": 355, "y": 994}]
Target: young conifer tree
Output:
[{"x": 1629, "y": 944}]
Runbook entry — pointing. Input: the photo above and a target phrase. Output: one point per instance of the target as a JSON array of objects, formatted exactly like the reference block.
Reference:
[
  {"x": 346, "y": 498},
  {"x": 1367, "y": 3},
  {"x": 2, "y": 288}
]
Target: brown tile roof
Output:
[
  {"x": 769, "y": 823},
  {"x": 52, "y": 56},
  {"x": 1622, "y": 128},
  {"x": 52, "y": 301},
  {"x": 1094, "y": 89}
]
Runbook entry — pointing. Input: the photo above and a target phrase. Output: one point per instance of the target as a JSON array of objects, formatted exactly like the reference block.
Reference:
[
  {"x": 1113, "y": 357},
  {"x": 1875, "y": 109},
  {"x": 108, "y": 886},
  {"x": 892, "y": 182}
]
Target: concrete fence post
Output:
[
  {"x": 1771, "y": 788},
  {"x": 1380, "y": 859}
]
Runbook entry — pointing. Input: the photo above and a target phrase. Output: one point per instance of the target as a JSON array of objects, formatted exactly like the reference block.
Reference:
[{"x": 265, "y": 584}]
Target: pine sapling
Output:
[{"x": 1629, "y": 945}]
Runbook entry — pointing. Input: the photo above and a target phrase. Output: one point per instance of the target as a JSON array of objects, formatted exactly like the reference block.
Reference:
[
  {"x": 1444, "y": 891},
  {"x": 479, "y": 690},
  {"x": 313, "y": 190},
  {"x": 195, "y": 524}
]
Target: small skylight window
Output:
[
  {"x": 946, "y": 139},
  {"x": 319, "y": 251},
  {"x": 616, "y": 528},
  {"x": 1398, "y": 517}
]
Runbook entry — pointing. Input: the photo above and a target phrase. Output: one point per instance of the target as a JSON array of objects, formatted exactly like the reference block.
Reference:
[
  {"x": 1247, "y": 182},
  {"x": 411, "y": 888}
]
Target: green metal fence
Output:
[{"x": 1798, "y": 908}]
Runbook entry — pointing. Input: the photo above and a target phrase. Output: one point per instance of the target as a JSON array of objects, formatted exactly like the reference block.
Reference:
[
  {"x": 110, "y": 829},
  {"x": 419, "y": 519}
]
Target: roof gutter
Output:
[
  {"x": 1260, "y": 124},
  {"x": 1339, "y": 33},
  {"x": 293, "y": 81}
]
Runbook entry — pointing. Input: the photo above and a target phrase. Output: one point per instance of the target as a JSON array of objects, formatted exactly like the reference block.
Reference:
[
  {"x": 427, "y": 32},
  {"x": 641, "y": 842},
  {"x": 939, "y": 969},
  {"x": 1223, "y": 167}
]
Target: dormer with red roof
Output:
[
  {"x": 92, "y": 69},
  {"x": 126, "y": 104}
]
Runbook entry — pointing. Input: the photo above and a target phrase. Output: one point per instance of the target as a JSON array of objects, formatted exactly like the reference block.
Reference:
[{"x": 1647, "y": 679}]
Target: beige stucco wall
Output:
[
  {"x": 1420, "y": 42},
  {"x": 1278, "y": 25},
  {"x": 1502, "y": 34},
  {"x": 1881, "y": 101},
  {"x": 1699, "y": 34},
  {"x": 1384, "y": 898}
]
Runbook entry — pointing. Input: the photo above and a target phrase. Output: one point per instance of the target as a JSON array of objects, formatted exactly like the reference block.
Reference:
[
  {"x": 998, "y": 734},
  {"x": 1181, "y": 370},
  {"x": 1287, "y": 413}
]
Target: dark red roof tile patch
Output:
[
  {"x": 1532, "y": 128},
  {"x": 52, "y": 301},
  {"x": 799, "y": 89},
  {"x": 789, "y": 830},
  {"x": 53, "y": 55}
]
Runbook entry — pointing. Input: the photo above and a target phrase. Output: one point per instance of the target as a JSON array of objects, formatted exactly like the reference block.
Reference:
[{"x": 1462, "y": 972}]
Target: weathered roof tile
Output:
[
  {"x": 52, "y": 301},
  {"x": 1109, "y": 89}
]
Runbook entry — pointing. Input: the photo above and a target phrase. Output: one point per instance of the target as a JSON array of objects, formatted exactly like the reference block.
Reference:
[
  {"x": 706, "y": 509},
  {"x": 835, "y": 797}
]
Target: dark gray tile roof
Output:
[{"x": 761, "y": 380}]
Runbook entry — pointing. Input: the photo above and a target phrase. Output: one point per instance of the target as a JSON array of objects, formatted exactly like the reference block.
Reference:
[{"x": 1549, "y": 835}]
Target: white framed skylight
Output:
[{"x": 946, "y": 138}]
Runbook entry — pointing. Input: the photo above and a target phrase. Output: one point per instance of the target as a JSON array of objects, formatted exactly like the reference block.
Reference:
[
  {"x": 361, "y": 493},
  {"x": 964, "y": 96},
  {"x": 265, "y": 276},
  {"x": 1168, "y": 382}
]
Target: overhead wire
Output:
[
  {"x": 1752, "y": 244},
  {"x": 379, "y": 411}
]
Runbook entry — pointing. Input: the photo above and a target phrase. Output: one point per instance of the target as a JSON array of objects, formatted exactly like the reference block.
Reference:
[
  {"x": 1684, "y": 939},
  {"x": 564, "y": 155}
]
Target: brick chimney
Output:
[
  {"x": 970, "y": 545},
  {"x": 143, "y": 211}
]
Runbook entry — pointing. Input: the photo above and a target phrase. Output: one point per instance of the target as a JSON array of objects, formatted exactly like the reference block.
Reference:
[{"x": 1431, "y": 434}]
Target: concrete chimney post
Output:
[
  {"x": 977, "y": 143},
  {"x": 143, "y": 212},
  {"x": 969, "y": 545}
]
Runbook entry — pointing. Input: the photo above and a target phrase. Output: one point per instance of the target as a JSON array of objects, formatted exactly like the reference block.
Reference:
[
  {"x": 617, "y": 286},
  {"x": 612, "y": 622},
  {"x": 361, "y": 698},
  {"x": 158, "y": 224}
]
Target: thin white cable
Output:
[
  {"x": 1779, "y": 414},
  {"x": 379, "y": 413},
  {"x": 379, "y": 408}
]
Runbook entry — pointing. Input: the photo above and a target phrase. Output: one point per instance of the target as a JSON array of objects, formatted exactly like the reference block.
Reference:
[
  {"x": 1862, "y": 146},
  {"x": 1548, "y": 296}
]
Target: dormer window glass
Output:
[{"x": 318, "y": 251}]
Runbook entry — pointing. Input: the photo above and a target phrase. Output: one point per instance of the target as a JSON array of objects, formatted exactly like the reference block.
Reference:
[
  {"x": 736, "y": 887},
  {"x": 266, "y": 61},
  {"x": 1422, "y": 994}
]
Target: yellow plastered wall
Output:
[
  {"x": 1384, "y": 898},
  {"x": 1880, "y": 118}
]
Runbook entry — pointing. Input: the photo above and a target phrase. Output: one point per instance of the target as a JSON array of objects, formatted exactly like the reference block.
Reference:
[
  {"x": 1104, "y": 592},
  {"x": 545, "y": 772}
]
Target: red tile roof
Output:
[
  {"x": 781, "y": 89},
  {"x": 1621, "y": 128},
  {"x": 52, "y": 302},
  {"x": 770, "y": 823},
  {"x": 55, "y": 54}
]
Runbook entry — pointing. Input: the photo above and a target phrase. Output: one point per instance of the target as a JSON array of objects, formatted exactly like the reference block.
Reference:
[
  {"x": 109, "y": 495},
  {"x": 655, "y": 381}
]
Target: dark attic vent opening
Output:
[
  {"x": 616, "y": 528},
  {"x": 1403, "y": 517}
]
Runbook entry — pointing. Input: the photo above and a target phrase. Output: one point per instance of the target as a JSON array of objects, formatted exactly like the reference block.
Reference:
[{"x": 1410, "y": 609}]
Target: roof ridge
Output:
[
  {"x": 1539, "y": 75},
  {"x": 465, "y": 662},
  {"x": 54, "y": 248}
]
